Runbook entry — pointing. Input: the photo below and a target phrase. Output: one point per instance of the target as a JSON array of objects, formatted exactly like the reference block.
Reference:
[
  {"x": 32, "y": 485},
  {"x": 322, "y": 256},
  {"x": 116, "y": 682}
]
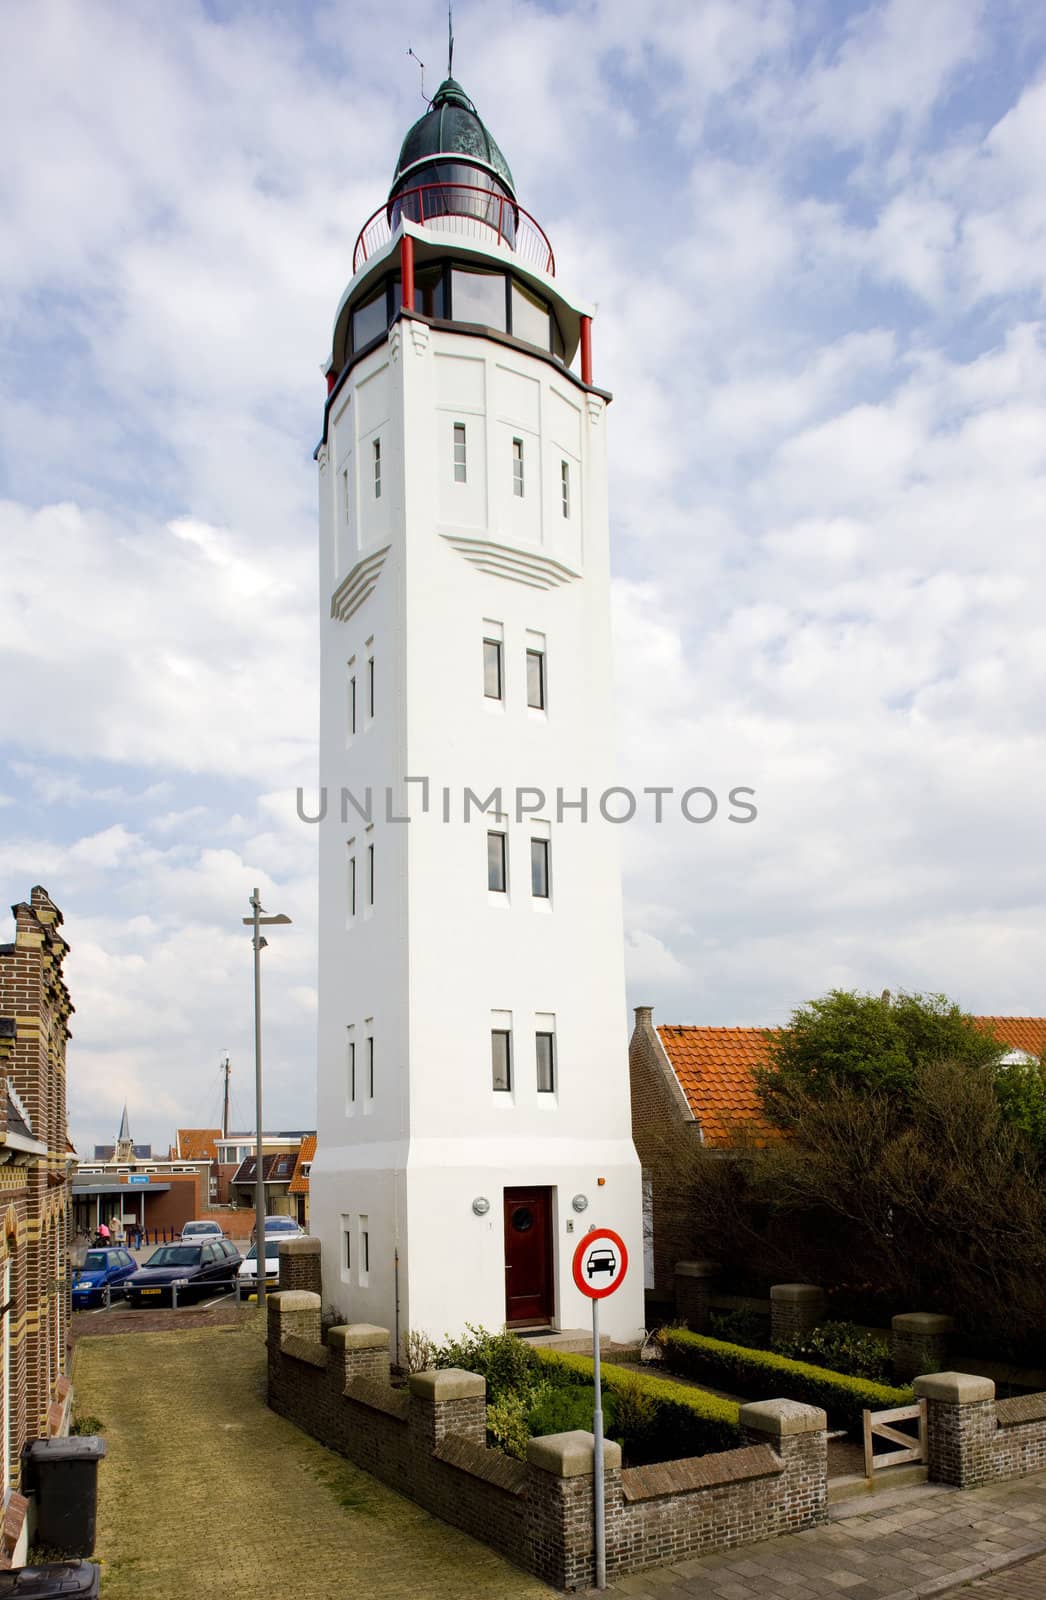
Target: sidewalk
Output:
[
  {"x": 205, "y": 1491},
  {"x": 915, "y": 1542}
]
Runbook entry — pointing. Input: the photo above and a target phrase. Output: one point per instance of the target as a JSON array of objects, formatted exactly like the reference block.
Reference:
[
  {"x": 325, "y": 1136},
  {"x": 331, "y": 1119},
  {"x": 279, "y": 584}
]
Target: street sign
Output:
[
  {"x": 600, "y": 1263},
  {"x": 138, "y": 1177}
]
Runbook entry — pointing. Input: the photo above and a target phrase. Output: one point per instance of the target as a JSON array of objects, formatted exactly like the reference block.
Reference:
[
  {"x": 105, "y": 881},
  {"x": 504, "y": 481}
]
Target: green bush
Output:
[
  {"x": 740, "y": 1327},
  {"x": 761, "y": 1375},
  {"x": 842, "y": 1347},
  {"x": 508, "y": 1364},
  {"x": 561, "y": 1409},
  {"x": 86, "y": 1425},
  {"x": 654, "y": 1419},
  {"x": 507, "y": 1424}
]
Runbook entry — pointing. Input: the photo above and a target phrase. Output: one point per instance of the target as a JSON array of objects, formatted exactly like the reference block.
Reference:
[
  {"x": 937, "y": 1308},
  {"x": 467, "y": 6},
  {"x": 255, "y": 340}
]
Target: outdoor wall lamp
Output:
[{"x": 481, "y": 1205}]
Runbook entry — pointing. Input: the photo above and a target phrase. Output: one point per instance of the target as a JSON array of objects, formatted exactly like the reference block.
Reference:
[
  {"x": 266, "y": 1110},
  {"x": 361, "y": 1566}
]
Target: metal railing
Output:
[{"x": 462, "y": 209}]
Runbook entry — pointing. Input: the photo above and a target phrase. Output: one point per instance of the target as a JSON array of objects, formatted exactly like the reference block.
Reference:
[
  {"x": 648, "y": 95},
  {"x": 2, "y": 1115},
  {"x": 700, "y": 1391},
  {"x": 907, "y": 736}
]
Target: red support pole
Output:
[
  {"x": 331, "y": 379},
  {"x": 407, "y": 270},
  {"x": 586, "y": 350}
]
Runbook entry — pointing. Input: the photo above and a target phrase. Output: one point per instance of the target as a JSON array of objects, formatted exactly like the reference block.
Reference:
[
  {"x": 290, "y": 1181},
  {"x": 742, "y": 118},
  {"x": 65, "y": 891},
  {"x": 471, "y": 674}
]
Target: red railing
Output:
[{"x": 459, "y": 208}]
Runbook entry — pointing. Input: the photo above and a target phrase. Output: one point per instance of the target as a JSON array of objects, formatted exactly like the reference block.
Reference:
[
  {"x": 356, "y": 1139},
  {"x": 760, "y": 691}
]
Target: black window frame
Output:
[
  {"x": 539, "y": 657},
  {"x": 498, "y": 645},
  {"x": 550, "y": 1087},
  {"x": 506, "y": 1035},
  {"x": 544, "y": 847},
  {"x": 502, "y": 887}
]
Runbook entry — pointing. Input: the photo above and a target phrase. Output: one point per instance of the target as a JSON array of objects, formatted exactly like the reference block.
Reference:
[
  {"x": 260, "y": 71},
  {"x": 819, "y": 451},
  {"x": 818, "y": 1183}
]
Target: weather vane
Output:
[
  {"x": 450, "y": 41},
  {"x": 412, "y": 52}
]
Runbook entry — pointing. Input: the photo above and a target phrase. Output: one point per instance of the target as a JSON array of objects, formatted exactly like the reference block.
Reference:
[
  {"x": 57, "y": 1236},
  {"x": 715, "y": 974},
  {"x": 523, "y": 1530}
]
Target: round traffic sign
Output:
[{"x": 600, "y": 1263}]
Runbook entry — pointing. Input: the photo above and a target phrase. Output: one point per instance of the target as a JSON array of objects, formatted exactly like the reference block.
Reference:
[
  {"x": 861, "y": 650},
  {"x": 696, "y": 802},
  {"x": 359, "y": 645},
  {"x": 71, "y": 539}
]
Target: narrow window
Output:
[
  {"x": 497, "y": 865},
  {"x": 377, "y": 469},
  {"x": 352, "y": 1070},
  {"x": 536, "y": 679},
  {"x": 370, "y": 1067},
  {"x": 352, "y": 704},
  {"x": 352, "y": 886},
  {"x": 517, "y": 467},
  {"x": 364, "y": 1247},
  {"x": 370, "y": 688},
  {"x": 346, "y": 490},
  {"x": 347, "y": 1236},
  {"x": 539, "y": 868},
  {"x": 501, "y": 1058},
  {"x": 370, "y": 874},
  {"x": 492, "y": 669},
  {"x": 460, "y": 461},
  {"x": 546, "y": 1062},
  {"x": 564, "y": 486}
]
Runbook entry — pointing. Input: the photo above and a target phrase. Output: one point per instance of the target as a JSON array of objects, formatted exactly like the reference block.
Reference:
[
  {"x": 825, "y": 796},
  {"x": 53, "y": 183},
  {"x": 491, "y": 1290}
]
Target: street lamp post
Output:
[{"x": 257, "y": 920}]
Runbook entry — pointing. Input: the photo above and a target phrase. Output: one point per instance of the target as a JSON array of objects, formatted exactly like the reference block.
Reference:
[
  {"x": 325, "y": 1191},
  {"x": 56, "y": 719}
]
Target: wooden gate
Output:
[{"x": 877, "y": 1426}]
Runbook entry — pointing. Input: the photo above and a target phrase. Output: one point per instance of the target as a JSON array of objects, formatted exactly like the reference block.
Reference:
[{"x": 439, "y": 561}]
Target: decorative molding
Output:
[
  {"x": 394, "y": 343},
  {"x": 594, "y": 406},
  {"x": 528, "y": 567},
  {"x": 358, "y": 586},
  {"x": 419, "y": 333}
]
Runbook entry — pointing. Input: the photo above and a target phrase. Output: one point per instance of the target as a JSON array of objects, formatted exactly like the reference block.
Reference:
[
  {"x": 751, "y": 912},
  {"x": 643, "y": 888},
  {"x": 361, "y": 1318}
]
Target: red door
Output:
[{"x": 528, "y": 1256}]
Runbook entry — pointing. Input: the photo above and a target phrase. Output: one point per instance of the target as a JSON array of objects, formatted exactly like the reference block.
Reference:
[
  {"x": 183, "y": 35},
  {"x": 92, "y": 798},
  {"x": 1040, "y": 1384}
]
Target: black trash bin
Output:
[
  {"x": 73, "y": 1580},
  {"x": 62, "y": 1477}
]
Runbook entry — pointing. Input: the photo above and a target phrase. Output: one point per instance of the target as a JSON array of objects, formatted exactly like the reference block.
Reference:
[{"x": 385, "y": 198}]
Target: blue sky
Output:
[{"x": 815, "y": 234}]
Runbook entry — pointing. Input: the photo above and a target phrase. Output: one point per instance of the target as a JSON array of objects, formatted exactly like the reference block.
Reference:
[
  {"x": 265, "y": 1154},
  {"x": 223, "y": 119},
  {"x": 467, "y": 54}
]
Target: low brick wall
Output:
[
  {"x": 429, "y": 1443},
  {"x": 972, "y": 1439}
]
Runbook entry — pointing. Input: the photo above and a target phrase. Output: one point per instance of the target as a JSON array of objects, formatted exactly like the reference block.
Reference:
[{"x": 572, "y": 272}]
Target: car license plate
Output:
[{"x": 150, "y": 1291}]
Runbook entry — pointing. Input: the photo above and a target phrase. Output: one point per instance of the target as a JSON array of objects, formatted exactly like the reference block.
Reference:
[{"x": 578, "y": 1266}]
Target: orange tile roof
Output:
[
  {"x": 715, "y": 1068},
  {"x": 196, "y": 1144},
  {"x": 300, "y": 1182},
  {"x": 1020, "y": 1033}
]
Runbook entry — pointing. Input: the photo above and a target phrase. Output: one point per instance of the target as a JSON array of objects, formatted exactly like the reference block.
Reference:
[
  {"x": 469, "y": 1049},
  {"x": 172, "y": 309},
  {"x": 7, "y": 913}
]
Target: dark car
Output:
[
  {"x": 102, "y": 1270},
  {"x": 196, "y": 1269},
  {"x": 601, "y": 1261}
]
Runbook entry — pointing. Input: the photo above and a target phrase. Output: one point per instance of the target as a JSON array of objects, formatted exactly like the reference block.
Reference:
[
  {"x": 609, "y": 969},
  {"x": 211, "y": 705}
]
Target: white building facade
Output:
[{"x": 473, "y": 1096}]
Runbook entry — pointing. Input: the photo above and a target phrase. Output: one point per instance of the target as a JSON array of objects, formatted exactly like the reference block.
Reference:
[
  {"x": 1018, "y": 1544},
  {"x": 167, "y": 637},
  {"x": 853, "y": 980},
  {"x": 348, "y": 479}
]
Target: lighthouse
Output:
[{"x": 473, "y": 1100}]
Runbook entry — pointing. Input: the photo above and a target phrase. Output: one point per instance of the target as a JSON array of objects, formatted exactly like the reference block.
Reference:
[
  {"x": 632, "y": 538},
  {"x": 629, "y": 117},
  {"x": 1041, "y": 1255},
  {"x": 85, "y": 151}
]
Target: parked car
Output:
[
  {"x": 283, "y": 1225},
  {"x": 248, "y": 1273},
  {"x": 197, "y": 1232},
  {"x": 101, "y": 1270},
  {"x": 195, "y": 1268}
]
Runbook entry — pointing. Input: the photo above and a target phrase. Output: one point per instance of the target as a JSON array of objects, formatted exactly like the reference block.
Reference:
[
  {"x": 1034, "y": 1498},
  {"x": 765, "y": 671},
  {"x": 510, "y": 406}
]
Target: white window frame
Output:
[
  {"x": 461, "y": 470},
  {"x": 518, "y": 480}
]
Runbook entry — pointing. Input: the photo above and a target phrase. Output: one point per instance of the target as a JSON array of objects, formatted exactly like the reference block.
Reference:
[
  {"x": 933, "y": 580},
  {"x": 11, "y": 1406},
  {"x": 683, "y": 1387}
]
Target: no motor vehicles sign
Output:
[{"x": 600, "y": 1263}]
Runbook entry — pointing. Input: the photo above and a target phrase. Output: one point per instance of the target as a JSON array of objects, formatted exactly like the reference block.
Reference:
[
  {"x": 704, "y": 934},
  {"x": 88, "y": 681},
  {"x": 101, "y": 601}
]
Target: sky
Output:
[{"x": 815, "y": 233}]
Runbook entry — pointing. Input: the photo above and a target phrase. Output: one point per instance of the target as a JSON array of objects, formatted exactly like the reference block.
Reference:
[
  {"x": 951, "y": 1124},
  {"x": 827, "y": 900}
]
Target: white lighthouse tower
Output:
[{"x": 473, "y": 1096}]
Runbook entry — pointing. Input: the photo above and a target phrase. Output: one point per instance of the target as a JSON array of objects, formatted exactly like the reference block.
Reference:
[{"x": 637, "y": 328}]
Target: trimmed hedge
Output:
[
  {"x": 655, "y": 1419},
  {"x": 761, "y": 1375}
]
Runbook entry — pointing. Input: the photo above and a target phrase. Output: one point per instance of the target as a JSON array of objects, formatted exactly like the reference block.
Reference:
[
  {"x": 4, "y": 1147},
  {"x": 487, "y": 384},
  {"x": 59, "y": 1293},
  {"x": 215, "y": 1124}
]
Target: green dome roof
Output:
[{"x": 451, "y": 127}]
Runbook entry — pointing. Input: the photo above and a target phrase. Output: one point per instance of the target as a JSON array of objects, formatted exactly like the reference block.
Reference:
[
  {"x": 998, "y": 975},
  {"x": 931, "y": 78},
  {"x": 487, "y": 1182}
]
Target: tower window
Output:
[
  {"x": 540, "y": 851},
  {"x": 564, "y": 486},
  {"x": 352, "y": 703},
  {"x": 364, "y": 1261},
  {"x": 545, "y": 1045},
  {"x": 370, "y": 688},
  {"x": 370, "y": 1066},
  {"x": 346, "y": 489},
  {"x": 370, "y": 874},
  {"x": 501, "y": 1059},
  {"x": 352, "y": 1071},
  {"x": 377, "y": 469},
  {"x": 536, "y": 679},
  {"x": 497, "y": 862},
  {"x": 352, "y": 886},
  {"x": 460, "y": 462},
  {"x": 517, "y": 467},
  {"x": 346, "y": 1226},
  {"x": 492, "y": 669}
]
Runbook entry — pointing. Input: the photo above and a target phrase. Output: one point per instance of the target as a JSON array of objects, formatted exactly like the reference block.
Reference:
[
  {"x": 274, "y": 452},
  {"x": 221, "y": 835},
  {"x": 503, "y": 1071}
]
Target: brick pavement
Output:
[
  {"x": 205, "y": 1491},
  {"x": 918, "y": 1542}
]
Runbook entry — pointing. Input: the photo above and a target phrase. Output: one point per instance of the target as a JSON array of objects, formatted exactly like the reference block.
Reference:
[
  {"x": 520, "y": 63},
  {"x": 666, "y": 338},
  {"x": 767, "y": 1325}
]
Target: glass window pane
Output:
[
  {"x": 428, "y": 292},
  {"x": 369, "y": 320},
  {"x": 546, "y": 1063},
  {"x": 500, "y": 1060},
  {"x": 564, "y": 483},
  {"x": 539, "y": 852},
  {"x": 535, "y": 679},
  {"x": 460, "y": 460},
  {"x": 530, "y": 318},
  {"x": 492, "y": 669},
  {"x": 496, "y": 876},
  {"x": 478, "y": 297},
  {"x": 517, "y": 467}
]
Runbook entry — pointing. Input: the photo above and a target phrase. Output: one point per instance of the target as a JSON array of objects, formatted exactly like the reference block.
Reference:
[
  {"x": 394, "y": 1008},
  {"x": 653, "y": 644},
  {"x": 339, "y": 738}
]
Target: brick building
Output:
[
  {"x": 697, "y": 1083},
  {"x": 34, "y": 1198}
]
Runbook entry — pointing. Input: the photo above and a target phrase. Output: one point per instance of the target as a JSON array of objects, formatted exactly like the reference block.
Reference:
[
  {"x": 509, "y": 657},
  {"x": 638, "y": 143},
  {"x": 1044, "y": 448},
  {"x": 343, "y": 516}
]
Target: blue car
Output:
[{"x": 102, "y": 1270}]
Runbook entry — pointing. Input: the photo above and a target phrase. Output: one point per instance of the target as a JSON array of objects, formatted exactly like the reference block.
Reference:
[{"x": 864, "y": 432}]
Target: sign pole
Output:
[{"x": 597, "y": 1465}]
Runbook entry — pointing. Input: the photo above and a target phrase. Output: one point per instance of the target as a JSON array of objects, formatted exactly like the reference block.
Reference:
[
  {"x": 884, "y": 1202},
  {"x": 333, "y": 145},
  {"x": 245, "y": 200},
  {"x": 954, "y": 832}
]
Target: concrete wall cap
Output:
[
  {"x": 294, "y": 1300},
  {"x": 358, "y": 1336},
  {"x": 571, "y": 1455},
  {"x": 782, "y": 1417},
  {"x": 957, "y": 1388},
  {"x": 448, "y": 1383},
  {"x": 922, "y": 1322},
  {"x": 299, "y": 1244},
  {"x": 696, "y": 1269},
  {"x": 797, "y": 1293}
]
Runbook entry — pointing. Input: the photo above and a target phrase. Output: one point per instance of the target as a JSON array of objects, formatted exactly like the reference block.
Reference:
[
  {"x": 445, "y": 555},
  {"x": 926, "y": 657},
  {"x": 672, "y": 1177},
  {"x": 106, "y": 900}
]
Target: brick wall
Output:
[
  {"x": 974, "y": 1440},
  {"x": 663, "y": 1131},
  {"x": 429, "y": 1442}
]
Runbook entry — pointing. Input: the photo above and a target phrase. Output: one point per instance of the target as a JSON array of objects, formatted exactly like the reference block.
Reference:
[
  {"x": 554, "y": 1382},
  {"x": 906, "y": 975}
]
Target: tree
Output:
[{"x": 867, "y": 1044}]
